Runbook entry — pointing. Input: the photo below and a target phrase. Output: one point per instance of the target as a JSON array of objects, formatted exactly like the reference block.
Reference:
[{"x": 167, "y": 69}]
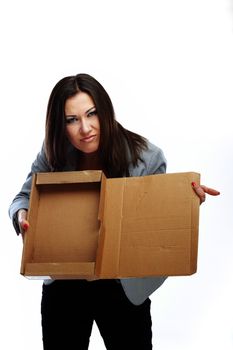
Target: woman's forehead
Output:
[{"x": 79, "y": 103}]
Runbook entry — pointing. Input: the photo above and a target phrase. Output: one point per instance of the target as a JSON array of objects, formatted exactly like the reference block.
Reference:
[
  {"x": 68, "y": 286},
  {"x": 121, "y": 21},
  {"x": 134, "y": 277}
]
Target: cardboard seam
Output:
[
  {"x": 101, "y": 239},
  {"x": 120, "y": 235}
]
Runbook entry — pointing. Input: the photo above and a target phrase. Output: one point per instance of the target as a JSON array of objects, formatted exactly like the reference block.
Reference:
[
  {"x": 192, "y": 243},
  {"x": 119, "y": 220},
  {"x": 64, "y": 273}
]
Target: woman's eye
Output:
[
  {"x": 92, "y": 113},
  {"x": 71, "y": 120}
]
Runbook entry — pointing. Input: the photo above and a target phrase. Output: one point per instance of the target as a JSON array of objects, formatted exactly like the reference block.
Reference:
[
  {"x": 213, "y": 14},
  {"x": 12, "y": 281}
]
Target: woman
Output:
[{"x": 81, "y": 134}]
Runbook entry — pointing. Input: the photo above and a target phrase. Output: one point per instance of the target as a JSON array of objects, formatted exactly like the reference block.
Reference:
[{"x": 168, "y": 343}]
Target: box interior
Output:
[{"x": 64, "y": 227}]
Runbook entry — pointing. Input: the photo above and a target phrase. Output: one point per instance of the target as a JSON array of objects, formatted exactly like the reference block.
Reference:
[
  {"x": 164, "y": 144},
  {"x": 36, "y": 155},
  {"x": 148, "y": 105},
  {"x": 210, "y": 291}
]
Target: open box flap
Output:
[{"x": 149, "y": 226}]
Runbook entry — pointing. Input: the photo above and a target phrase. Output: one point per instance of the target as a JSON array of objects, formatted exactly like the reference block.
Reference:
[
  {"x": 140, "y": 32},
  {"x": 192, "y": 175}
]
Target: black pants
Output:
[{"x": 69, "y": 308}]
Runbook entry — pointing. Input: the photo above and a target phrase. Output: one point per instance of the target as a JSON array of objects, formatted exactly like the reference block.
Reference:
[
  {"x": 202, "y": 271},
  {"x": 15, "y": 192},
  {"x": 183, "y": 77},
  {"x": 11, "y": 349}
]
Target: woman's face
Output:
[{"x": 82, "y": 123}]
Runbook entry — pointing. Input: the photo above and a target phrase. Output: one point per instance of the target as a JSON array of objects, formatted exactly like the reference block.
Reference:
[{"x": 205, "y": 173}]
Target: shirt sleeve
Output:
[
  {"x": 152, "y": 161},
  {"x": 157, "y": 163},
  {"x": 21, "y": 200}
]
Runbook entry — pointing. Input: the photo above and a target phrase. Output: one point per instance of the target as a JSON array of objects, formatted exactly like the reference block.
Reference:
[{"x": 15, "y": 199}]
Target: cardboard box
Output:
[{"x": 83, "y": 225}]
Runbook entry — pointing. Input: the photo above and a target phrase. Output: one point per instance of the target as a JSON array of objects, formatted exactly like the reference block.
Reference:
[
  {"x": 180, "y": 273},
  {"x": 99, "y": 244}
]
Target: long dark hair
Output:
[{"x": 118, "y": 146}]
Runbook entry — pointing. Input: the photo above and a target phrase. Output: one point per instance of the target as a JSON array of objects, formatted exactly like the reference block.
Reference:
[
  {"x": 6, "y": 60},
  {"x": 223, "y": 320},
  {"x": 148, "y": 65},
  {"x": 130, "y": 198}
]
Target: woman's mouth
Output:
[{"x": 88, "y": 138}]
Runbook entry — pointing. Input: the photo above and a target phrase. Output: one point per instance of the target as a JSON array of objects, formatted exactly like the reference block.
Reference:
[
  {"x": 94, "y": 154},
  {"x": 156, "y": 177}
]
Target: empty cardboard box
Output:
[{"x": 83, "y": 225}]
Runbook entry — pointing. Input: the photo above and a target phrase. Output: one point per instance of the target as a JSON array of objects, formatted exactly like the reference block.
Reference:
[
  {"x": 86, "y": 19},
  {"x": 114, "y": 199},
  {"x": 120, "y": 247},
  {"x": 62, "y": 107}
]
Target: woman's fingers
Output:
[
  {"x": 22, "y": 220},
  {"x": 201, "y": 191},
  {"x": 210, "y": 191}
]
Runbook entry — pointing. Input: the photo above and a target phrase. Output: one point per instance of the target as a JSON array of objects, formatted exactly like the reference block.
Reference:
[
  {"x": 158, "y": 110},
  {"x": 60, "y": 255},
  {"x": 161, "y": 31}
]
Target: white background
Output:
[{"x": 168, "y": 67}]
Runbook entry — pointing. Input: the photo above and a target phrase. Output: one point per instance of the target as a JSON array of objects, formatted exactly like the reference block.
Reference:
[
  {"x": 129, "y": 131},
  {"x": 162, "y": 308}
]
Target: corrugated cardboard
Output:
[{"x": 83, "y": 225}]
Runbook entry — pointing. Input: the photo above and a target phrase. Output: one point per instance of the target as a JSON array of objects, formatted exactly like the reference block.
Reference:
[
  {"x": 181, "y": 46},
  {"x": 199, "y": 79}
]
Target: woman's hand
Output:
[
  {"x": 201, "y": 191},
  {"x": 22, "y": 220}
]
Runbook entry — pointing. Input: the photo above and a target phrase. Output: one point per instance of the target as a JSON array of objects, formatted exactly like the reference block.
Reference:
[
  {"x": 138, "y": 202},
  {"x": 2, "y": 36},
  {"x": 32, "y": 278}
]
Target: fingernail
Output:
[
  {"x": 25, "y": 225},
  {"x": 193, "y": 184}
]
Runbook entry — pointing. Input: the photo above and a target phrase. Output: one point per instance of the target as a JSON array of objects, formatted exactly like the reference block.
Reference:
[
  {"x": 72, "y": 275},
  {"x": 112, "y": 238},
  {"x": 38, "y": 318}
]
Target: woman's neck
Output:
[{"x": 89, "y": 161}]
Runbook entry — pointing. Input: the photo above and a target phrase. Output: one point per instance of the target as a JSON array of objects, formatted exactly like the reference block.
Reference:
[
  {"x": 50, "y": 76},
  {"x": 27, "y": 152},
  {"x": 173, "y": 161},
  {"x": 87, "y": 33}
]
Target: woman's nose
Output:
[{"x": 85, "y": 126}]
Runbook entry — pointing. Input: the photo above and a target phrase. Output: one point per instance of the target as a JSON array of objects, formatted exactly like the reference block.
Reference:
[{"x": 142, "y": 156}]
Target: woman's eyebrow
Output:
[
  {"x": 74, "y": 115},
  {"x": 89, "y": 109},
  {"x": 70, "y": 115}
]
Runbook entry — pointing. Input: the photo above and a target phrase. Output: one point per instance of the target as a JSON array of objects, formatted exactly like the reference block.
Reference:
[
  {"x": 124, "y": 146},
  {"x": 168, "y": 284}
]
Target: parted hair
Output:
[{"x": 118, "y": 146}]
